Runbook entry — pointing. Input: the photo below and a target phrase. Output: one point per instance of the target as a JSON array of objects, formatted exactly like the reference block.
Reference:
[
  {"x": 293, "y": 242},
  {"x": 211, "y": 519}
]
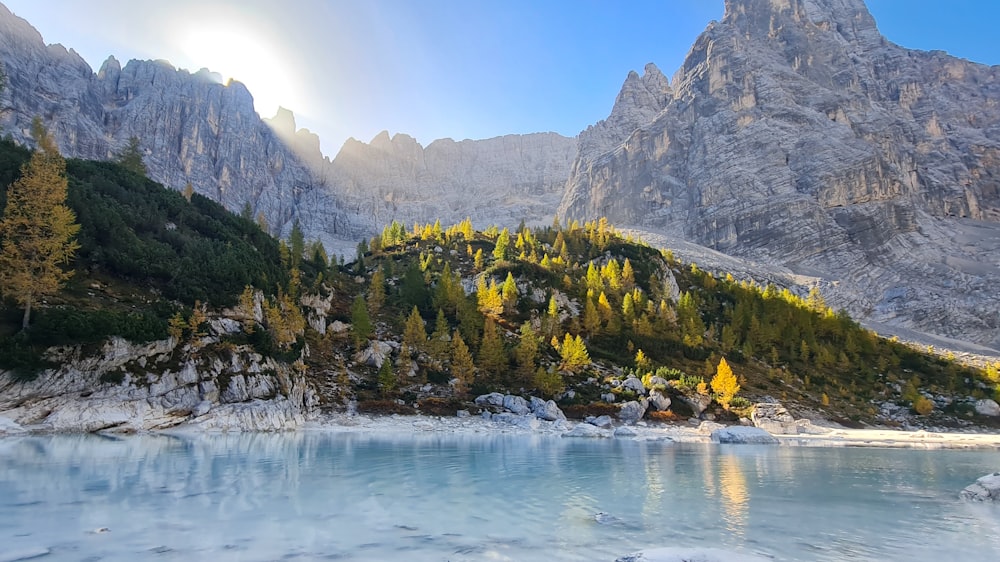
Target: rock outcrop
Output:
[
  {"x": 156, "y": 386},
  {"x": 986, "y": 488},
  {"x": 796, "y": 135},
  {"x": 743, "y": 435}
]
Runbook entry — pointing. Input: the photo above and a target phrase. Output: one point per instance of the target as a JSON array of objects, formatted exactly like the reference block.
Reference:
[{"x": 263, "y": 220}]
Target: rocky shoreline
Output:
[{"x": 502, "y": 414}]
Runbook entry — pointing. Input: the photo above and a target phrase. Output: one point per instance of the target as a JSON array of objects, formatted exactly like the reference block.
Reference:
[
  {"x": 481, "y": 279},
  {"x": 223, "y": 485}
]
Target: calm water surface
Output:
[{"x": 313, "y": 495}]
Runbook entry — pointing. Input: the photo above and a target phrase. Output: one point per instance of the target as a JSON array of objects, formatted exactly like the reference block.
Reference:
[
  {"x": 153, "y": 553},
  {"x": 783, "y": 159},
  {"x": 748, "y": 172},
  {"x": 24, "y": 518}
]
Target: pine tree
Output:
[
  {"x": 414, "y": 334},
  {"x": 724, "y": 384},
  {"x": 297, "y": 245},
  {"x": 628, "y": 276},
  {"x": 591, "y": 317},
  {"x": 440, "y": 337},
  {"x": 526, "y": 353},
  {"x": 376, "y": 292},
  {"x": 130, "y": 157},
  {"x": 509, "y": 293},
  {"x": 462, "y": 366},
  {"x": 386, "y": 378},
  {"x": 502, "y": 249},
  {"x": 492, "y": 355},
  {"x": 573, "y": 353},
  {"x": 37, "y": 228},
  {"x": 361, "y": 322}
]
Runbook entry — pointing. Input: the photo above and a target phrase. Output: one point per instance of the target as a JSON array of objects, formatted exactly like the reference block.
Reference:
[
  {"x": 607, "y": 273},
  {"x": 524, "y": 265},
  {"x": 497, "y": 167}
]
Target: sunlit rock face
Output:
[
  {"x": 192, "y": 128},
  {"x": 795, "y": 134}
]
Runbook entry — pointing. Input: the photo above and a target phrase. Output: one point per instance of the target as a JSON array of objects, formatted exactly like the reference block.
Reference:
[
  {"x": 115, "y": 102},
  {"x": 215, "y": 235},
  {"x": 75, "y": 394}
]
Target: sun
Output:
[{"x": 242, "y": 54}]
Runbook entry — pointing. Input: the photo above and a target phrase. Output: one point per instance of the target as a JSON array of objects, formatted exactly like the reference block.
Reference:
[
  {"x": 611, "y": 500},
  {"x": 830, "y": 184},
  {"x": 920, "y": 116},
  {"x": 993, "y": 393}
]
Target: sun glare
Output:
[{"x": 243, "y": 55}]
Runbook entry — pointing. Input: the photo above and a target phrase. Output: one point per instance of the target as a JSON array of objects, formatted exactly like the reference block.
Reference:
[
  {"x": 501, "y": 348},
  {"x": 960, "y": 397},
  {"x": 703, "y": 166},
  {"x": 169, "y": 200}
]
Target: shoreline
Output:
[
  {"x": 643, "y": 431},
  {"x": 401, "y": 425}
]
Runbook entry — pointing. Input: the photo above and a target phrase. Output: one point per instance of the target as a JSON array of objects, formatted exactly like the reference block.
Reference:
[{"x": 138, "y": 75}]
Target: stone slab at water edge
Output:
[{"x": 986, "y": 488}]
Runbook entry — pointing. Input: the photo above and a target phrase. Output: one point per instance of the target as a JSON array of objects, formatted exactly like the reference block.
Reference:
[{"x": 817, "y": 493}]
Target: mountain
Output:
[
  {"x": 195, "y": 129},
  {"x": 796, "y": 135},
  {"x": 500, "y": 180},
  {"x": 794, "y": 139}
]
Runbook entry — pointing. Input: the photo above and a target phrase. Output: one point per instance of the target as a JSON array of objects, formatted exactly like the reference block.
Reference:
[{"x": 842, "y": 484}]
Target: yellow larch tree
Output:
[{"x": 37, "y": 229}]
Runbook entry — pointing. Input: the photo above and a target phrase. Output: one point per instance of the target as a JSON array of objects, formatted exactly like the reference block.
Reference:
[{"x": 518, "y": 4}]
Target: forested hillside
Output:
[{"x": 426, "y": 317}]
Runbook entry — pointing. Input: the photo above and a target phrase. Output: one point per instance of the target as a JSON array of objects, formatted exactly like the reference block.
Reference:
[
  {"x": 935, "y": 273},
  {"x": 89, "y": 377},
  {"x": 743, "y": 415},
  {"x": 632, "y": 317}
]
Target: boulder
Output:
[
  {"x": 604, "y": 422},
  {"x": 624, "y": 432},
  {"x": 698, "y": 403},
  {"x": 743, "y": 435},
  {"x": 491, "y": 399},
  {"x": 987, "y": 407},
  {"x": 516, "y": 404},
  {"x": 986, "y": 488},
  {"x": 635, "y": 385},
  {"x": 375, "y": 353},
  {"x": 660, "y": 382},
  {"x": 632, "y": 411},
  {"x": 586, "y": 430},
  {"x": 546, "y": 410},
  {"x": 707, "y": 427},
  {"x": 608, "y": 397},
  {"x": 657, "y": 401},
  {"x": 773, "y": 418}
]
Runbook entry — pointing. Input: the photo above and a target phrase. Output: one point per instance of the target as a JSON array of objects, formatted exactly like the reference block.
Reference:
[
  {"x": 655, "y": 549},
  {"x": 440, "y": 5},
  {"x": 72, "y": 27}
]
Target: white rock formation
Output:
[
  {"x": 986, "y": 488},
  {"x": 743, "y": 435},
  {"x": 162, "y": 385},
  {"x": 987, "y": 407}
]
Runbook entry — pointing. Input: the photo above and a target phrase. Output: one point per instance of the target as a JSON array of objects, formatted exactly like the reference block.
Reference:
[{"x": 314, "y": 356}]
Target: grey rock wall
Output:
[{"x": 797, "y": 136}]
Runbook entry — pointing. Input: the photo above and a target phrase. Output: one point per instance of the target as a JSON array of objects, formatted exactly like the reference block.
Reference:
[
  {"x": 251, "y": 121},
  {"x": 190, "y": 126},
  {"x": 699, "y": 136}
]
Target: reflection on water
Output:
[
  {"x": 735, "y": 498},
  {"x": 439, "y": 497}
]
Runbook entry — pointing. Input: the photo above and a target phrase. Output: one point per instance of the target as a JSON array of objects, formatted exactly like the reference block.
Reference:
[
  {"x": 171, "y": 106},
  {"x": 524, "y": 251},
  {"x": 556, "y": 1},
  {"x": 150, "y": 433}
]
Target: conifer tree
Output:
[
  {"x": 188, "y": 192},
  {"x": 628, "y": 276},
  {"x": 724, "y": 383},
  {"x": 502, "y": 249},
  {"x": 361, "y": 322},
  {"x": 414, "y": 333},
  {"x": 386, "y": 378},
  {"x": 526, "y": 353},
  {"x": 508, "y": 293},
  {"x": 376, "y": 292},
  {"x": 492, "y": 355},
  {"x": 462, "y": 366},
  {"x": 591, "y": 317},
  {"x": 440, "y": 337},
  {"x": 130, "y": 157},
  {"x": 573, "y": 353},
  {"x": 37, "y": 229}
]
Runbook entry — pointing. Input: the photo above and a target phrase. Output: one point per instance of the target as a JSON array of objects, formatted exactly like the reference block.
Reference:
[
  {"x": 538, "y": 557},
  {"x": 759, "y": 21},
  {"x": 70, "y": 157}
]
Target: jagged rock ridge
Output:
[
  {"x": 195, "y": 129},
  {"x": 797, "y": 135}
]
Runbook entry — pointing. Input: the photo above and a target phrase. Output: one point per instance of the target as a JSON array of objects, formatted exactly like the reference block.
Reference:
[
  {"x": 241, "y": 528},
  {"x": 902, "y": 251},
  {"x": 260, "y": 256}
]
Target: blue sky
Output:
[{"x": 443, "y": 68}]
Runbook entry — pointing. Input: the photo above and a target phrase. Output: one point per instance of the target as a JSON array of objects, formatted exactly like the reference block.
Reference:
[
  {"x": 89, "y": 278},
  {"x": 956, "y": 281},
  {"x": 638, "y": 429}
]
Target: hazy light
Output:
[{"x": 240, "y": 53}]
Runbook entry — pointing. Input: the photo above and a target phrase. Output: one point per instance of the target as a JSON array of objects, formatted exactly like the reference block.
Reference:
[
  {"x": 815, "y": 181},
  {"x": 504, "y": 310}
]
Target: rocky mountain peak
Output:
[
  {"x": 765, "y": 18},
  {"x": 797, "y": 136},
  {"x": 639, "y": 101}
]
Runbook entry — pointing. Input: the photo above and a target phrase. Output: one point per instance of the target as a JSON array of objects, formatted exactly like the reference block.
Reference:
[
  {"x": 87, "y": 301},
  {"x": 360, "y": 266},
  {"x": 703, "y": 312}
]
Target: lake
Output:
[{"x": 334, "y": 496}]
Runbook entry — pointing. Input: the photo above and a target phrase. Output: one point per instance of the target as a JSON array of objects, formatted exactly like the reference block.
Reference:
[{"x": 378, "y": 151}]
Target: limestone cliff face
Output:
[
  {"x": 796, "y": 134},
  {"x": 192, "y": 128},
  {"x": 500, "y": 180}
]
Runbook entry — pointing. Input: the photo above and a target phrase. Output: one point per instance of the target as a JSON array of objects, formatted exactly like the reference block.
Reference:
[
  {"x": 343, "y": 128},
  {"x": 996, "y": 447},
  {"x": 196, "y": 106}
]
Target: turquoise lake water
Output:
[{"x": 328, "y": 496}]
